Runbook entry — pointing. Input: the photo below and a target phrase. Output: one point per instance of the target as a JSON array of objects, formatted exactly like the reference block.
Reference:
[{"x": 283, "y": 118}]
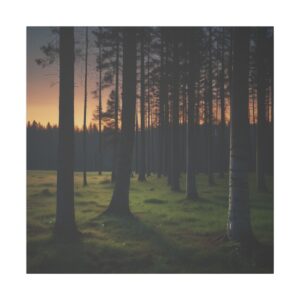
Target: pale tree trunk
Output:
[
  {"x": 85, "y": 108},
  {"x": 136, "y": 128},
  {"x": 239, "y": 226},
  {"x": 65, "y": 226},
  {"x": 120, "y": 199},
  {"x": 142, "y": 168},
  {"x": 191, "y": 191}
]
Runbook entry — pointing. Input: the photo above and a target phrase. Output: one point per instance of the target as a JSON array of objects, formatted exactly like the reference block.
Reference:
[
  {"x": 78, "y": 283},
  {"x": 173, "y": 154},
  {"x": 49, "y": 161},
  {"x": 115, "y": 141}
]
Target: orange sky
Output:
[{"x": 42, "y": 83}]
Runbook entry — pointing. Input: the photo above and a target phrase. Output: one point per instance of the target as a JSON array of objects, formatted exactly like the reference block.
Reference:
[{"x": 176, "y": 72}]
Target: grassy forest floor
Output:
[{"x": 168, "y": 234}]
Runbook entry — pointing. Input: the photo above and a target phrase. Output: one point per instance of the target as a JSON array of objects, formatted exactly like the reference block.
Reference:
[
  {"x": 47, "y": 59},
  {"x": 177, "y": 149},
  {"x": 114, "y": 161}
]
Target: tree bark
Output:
[
  {"x": 239, "y": 227},
  {"x": 65, "y": 226},
  {"x": 222, "y": 123},
  {"x": 116, "y": 131},
  {"x": 175, "y": 163},
  {"x": 149, "y": 144},
  {"x": 142, "y": 166},
  {"x": 261, "y": 111},
  {"x": 191, "y": 191},
  {"x": 120, "y": 199},
  {"x": 162, "y": 92},
  {"x": 210, "y": 114}
]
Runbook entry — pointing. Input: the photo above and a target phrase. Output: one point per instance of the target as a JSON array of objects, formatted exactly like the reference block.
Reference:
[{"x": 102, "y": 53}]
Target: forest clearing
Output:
[{"x": 166, "y": 234}]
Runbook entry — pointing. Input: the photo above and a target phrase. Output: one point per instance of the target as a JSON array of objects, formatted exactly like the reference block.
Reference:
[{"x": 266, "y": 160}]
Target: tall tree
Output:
[
  {"x": 120, "y": 199},
  {"x": 162, "y": 98},
  {"x": 222, "y": 100},
  {"x": 142, "y": 166},
  {"x": 239, "y": 226},
  {"x": 261, "y": 109},
  {"x": 116, "y": 132},
  {"x": 210, "y": 112},
  {"x": 99, "y": 44},
  {"x": 149, "y": 128},
  {"x": 191, "y": 190},
  {"x": 175, "y": 163},
  {"x": 65, "y": 226},
  {"x": 85, "y": 107}
]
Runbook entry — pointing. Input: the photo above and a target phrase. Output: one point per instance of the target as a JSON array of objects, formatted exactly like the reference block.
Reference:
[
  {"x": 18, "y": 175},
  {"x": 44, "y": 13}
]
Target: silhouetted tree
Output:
[
  {"x": 175, "y": 163},
  {"x": 191, "y": 191},
  {"x": 99, "y": 45},
  {"x": 117, "y": 62},
  {"x": 261, "y": 137},
  {"x": 142, "y": 164},
  {"x": 239, "y": 227},
  {"x": 65, "y": 226},
  {"x": 222, "y": 102},
  {"x": 85, "y": 107},
  {"x": 162, "y": 98},
  {"x": 120, "y": 199},
  {"x": 210, "y": 112}
]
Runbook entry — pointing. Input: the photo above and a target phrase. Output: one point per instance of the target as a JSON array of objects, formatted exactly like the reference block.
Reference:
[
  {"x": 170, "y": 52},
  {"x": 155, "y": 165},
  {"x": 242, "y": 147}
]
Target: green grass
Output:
[{"x": 168, "y": 234}]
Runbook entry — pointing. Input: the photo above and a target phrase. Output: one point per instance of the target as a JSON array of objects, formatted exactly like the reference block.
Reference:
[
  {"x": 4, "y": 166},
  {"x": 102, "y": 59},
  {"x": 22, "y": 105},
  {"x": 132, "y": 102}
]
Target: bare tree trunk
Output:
[
  {"x": 191, "y": 191},
  {"x": 100, "y": 105},
  {"x": 85, "y": 108},
  {"x": 136, "y": 142},
  {"x": 120, "y": 199},
  {"x": 116, "y": 131},
  {"x": 162, "y": 93},
  {"x": 261, "y": 112},
  {"x": 239, "y": 227},
  {"x": 210, "y": 115},
  {"x": 222, "y": 124},
  {"x": 142, "y": 169},
  {"x": 175, "y": 163},
  {"x": 166, "y": 140},
  {"x": 149, "y": 146},
  {"x": 65, "y": 226}
]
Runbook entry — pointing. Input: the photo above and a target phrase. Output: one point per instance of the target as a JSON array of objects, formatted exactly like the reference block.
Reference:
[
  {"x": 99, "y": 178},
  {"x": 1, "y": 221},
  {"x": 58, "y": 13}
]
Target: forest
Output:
[{"x": 174, "y": 171}]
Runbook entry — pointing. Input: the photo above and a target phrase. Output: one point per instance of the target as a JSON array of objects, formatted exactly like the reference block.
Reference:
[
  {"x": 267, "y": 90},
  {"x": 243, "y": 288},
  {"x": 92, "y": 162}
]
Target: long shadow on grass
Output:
[{"x": 158, "y": 254}]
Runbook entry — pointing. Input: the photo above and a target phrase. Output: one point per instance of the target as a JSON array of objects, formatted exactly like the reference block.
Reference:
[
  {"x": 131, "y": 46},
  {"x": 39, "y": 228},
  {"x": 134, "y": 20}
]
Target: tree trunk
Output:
[
  {"x": 136, "y": 142},
  {"x": 222, "y": 123},
  {"x": 162, "y": 93},
  {"x": 149, "y": 146},
  {"x": 175, "y": 163},
  {"x": 120, "y": 199},
  {"x": 65, "y": 226},
  {"x": 85, "y": 108},
  {"x": 191, "y": 190},
  {"x": 116, "y": 131},
  {"x": 210, "y": 115},
  {"x": 239, "y": 227},
  {"x": 142, "y": 169},
  {"x": 100, "y": 106},
  {"x": 261, "y": 112}
]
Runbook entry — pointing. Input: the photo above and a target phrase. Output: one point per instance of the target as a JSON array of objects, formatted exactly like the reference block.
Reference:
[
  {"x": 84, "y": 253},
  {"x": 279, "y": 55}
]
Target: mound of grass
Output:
[{"x": 167, "y": 234}]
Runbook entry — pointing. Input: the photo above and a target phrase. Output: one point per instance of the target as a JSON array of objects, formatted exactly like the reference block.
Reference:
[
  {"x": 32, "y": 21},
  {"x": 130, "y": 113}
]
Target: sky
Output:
[{"x": 42, "y": 83}]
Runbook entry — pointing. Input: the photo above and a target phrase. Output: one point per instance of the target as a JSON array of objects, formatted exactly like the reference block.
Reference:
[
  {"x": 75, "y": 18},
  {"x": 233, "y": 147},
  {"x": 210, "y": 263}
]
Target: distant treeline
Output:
[{"x": 42, "y": 148}]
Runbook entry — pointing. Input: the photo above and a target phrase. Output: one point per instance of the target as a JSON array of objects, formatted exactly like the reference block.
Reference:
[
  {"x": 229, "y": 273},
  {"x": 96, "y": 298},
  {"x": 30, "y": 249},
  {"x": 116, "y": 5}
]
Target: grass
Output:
[{"x": 167, "y": 235}]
